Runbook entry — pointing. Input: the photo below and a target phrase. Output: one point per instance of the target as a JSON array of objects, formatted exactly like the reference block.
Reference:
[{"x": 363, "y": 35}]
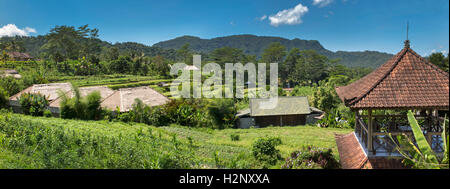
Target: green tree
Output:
[
  {"x": 160, "y": 65},
  {"x": 287, "y": 68},
  {"x": 227, "y": 55},
  {"x": 274, "y": 53},
  {"x": 185, "y": 54},
  {"x": 439, "y": 60},
  {"x": 112, "y": 53},
  {"x": 68, "y": 42}
]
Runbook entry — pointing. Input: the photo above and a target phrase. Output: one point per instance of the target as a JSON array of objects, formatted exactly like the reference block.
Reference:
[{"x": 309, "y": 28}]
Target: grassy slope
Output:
[{"x": 207, "y": 141}]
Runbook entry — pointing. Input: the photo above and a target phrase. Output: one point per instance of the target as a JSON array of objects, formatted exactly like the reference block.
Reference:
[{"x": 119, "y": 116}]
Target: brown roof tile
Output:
[
  {"x": 351, "y": 154},
  {"x": 405, "y": 81}
]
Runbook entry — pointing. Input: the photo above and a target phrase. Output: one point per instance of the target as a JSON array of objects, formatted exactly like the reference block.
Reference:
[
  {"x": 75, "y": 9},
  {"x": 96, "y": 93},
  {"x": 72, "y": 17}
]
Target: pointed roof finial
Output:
[{"x": 407, "y": 31}]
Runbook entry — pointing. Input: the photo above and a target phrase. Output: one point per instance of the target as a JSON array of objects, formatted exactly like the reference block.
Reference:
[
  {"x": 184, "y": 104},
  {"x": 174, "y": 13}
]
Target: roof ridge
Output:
[{"x": 388, "y": 72}]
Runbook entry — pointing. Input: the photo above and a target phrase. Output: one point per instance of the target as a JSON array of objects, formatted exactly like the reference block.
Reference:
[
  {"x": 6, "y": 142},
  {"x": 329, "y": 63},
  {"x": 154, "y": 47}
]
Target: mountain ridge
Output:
[{"x": 255, "y": 45}]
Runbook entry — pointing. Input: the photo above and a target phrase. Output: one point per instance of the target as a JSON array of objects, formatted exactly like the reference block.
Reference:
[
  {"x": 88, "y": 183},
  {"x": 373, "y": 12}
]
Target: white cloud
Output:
[
  {"x": 322, "y": 3},
  {"x": 263, "y": 18},
  {"x": 289, "y": 16},
  {"x": 12, "y": 30}
]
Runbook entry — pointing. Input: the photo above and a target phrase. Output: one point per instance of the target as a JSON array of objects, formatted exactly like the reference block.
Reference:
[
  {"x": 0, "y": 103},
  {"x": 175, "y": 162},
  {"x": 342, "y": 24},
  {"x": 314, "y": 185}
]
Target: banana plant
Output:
[{"x": 421, "y": 155}]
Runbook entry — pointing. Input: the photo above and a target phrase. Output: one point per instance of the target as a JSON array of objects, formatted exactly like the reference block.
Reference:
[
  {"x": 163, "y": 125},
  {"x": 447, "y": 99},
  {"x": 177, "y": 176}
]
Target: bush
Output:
[
  {"x": 3, "y": 98},
  {"x": 311, "y": 158},
  {"x": 11, "y": 85},
  {"x": 158, "y": 116},
  {"x": 223, "y": 112},
  {"x": 93, "y": 106},
  {"x": 234, "y": 137},
  {"x": 87, "y": 108},
  {"x": 47, "y": 113},
  {"x": 264, "y": 149},
  {"x": 33, "y": 104},
  {"x": 341, "y": 117}
]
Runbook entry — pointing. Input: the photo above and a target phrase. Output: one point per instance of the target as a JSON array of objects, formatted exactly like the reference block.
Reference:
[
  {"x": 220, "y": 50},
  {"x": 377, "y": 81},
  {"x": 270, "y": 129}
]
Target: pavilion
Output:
[{"x": 405, "y": 82}]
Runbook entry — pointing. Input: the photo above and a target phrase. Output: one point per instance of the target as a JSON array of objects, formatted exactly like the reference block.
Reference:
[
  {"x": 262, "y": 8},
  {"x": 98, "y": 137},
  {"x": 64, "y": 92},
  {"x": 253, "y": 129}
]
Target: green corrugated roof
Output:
[{"x": 286, "y": 106}]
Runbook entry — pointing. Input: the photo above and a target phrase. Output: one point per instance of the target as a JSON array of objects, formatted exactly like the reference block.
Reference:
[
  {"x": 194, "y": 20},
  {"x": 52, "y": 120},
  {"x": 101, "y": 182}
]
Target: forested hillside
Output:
[
  {"x": 249, "y": 44},
  {"x": 255, "y": 45}
]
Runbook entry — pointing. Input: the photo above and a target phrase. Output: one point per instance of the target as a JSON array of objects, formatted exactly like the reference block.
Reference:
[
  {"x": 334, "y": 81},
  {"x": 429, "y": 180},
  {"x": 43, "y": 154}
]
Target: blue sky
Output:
[{"x": 350, "y": 25}]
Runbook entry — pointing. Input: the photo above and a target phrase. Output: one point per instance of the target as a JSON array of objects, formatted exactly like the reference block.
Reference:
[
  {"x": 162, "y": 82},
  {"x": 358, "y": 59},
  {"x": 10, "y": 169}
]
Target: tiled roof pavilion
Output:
[{"x": 406, "y": 81}]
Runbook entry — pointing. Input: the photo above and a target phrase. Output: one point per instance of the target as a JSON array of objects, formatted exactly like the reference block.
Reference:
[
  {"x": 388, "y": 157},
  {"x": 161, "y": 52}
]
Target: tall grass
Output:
[{"x": 58, "y": 146}]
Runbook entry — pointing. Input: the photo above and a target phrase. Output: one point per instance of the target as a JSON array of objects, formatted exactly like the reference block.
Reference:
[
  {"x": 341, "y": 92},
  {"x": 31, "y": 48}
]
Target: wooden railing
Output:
[{"x": 383, "y": 125}]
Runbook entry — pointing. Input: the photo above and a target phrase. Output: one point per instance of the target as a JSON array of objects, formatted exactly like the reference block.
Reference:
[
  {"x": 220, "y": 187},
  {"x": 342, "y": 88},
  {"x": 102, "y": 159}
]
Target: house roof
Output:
[
  {"x": 405, "y": 81},
  {"x": 49, "y": 90},
  {"x": 352, "y": 156},
  {"x": 84, "y": 91},
  {"x": 19, "y": 55},
  {"x": 124, "y": 98},
  {"x": 12, "y": 73},
  {"x": 292, "y": 105}
]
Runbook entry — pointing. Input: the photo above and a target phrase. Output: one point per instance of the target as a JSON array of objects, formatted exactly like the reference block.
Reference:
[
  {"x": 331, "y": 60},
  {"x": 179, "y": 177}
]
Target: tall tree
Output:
[
  {"x": 227, "y": 55},
  {"x": 287, "y": 68},
  {"x": 439, "y": 60},
  {"x": 274, "y": 53},
  {"x": 185, "y": 54}
]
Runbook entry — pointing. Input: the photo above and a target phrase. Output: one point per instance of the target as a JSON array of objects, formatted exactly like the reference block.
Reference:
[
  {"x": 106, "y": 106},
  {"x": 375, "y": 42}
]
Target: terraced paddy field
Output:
[{"x": 39, "y": 142}]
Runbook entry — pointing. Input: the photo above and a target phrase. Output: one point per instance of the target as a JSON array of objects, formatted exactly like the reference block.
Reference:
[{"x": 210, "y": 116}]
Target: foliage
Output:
[
  {"x": 47, "y": 113},
  {"x": 255, "y": 45},
  {"x": 340, "y": 117},
  {"x": 440, "y": 60},
  {"x": 309, "y": 67},
  {"x": 264, "y": 150},
  {"x": 420, "y": 154},
  {"x": 33, "y": 103},
  {"x": 311, "y": 158},
  {"x": 325, "y": 97},
  {"x": 54, "y": 144},
  {"x": 77, "y": 107},
  {"x": 11, "y": 85},
  {"x": 234, "y": 137},
  {"x": 223, "y": 112},
  {"x": 227, "y": 55},
  {"x": 4, "y": 100}
]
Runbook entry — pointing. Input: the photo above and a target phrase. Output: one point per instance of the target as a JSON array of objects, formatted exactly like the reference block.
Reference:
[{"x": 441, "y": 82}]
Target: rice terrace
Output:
[{"x": 97, "y": 96}]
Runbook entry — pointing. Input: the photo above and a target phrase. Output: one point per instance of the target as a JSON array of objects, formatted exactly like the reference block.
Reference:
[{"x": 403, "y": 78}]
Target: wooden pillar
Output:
[
  {"x": 370, "y": 132},
  {"x": 357, "y": 129}
]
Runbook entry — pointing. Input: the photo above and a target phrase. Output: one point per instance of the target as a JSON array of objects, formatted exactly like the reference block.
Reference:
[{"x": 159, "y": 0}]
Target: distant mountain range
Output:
[
  {"x": 250, "y": 44},
  {"x": 255, "y": 45}
]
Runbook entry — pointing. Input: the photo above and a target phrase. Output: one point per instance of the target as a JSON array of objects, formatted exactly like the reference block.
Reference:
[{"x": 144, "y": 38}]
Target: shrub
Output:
[
  {"x": 311, "y": 158},
  {"x": 87, "y": 108},
  {"x": 264, "y": 149},
  {"x": 11, "y": 85},
  {"x": 33, "y": 104},
  {"x": 234, "y": 137},
  {"x": 341, "y": 117},
  {"x": 158, "y": 116},
  {"x": 3, "y": 98},
  {"x": 47, "y": 113},
  {"x": 93, "y": 106},
  {"x": 223, "y": 112}
]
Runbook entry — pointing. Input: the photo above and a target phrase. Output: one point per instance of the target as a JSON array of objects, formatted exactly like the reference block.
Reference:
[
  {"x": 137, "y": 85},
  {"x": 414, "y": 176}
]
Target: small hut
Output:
[
  {"x": 19, "y": 56},
  {"x": 405, "y": 82},
  {"x": 289, "y": 111}
]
